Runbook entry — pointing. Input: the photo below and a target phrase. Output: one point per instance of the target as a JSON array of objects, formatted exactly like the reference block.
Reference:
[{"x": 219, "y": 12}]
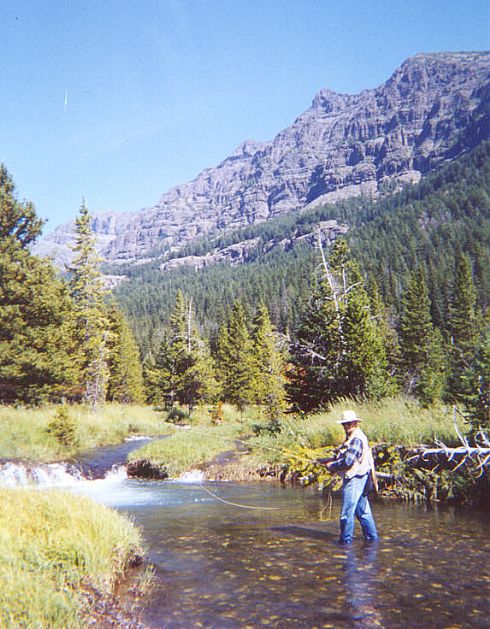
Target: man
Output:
[{"x": 355, "y": 463}]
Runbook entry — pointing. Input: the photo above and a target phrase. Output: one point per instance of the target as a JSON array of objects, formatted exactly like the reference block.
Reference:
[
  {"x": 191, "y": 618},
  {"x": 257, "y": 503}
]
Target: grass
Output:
[
  {"x": 24, "y": 431},
  {"x": 55, "y": 548},
  {"x": 397, "y": 421},
  {"x": 186, "y": 449}
]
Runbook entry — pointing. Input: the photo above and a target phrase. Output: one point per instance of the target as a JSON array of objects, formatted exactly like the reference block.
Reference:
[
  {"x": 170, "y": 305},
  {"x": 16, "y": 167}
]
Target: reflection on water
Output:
[{"x": 224, "y": 567}]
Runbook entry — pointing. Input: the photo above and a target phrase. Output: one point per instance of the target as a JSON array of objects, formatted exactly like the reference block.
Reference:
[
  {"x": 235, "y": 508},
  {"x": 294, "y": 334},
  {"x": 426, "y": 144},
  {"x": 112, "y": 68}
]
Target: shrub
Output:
[{"x": 63, "y": 427}]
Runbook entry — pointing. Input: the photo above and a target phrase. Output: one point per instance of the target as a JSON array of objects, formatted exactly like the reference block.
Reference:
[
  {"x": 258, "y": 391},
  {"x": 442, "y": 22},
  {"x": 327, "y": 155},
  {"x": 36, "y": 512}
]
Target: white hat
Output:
[{"x": 348, "y": 417}]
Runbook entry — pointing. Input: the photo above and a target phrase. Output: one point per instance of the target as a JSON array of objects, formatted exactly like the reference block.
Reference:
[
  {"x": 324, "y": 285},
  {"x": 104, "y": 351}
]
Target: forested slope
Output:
[{"x": 432, "y": 222}]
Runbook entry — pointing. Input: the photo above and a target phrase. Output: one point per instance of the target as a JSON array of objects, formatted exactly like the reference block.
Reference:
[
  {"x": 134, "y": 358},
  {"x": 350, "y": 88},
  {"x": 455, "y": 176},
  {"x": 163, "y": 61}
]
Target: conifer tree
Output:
[
  {"x": 36, "y": 347},
  {"x": 382, "y": 318},
  {"x": 270, "y": 366},
  {"x": 199, "y": 383},
  {"x": 339, "y": 350},
  {"x": 91, "y": 324},
  {"x": 19, "y": 224},
  {"x": 463, "y": 330},
  {"x": 36, "y": 352},
  {"x": 433, "y": 377},
  {"x": 236, "y": 366},
  {"x": 477, "y": 399},
  {"x": 364, "y": 369},
  {"x": 422, "y": 363},
  {"x": 162, "y": 377},
  {"x": 183, "y": 364},
  {"x": 316, "y": 354},
  {"x": 151, "y": 380},
  {"x": 125, "y": 372}
]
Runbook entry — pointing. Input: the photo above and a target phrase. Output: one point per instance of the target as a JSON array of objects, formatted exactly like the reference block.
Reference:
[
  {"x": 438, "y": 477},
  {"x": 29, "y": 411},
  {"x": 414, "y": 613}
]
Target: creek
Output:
[{"x": 278, "y": 564}]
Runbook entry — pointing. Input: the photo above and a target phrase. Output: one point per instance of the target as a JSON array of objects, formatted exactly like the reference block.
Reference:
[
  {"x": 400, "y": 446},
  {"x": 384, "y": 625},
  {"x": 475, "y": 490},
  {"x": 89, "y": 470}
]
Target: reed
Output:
[
  {"x": 25, "y": 433},
  {"x": 56, "y": 551}
]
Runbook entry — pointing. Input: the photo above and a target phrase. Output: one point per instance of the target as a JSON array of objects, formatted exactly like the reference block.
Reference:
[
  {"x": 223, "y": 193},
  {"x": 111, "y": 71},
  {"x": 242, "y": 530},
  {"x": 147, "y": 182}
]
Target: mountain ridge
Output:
[{"x": 434, "y": 107}]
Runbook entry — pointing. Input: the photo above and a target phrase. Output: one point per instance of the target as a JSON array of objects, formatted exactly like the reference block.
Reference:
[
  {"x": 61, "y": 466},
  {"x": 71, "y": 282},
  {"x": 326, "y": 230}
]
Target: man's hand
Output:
[{"x": 324, "y": 462}]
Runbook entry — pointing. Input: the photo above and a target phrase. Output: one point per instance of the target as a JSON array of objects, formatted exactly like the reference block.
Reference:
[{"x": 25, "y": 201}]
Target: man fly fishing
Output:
[{"x": 355, "y": 463}]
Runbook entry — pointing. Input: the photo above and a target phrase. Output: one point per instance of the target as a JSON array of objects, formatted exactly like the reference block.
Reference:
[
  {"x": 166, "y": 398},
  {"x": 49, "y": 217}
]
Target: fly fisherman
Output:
[{"x": 355, "y": 463}]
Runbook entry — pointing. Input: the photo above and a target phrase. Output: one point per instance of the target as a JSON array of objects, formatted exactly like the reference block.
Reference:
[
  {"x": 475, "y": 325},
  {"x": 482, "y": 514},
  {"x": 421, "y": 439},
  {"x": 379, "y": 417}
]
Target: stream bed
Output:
[
  {"x": 233, "y": 556},
  {"x": 278, "y": 564}
]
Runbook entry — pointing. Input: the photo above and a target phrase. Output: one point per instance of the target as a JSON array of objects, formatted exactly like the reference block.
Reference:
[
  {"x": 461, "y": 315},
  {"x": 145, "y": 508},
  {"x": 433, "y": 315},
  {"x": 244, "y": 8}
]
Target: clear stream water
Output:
[{"x": 222, "y": 566}]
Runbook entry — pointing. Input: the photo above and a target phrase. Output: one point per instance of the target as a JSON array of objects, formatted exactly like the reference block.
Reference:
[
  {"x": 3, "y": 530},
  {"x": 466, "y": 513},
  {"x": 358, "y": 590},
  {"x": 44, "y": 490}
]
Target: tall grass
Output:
[
  {"x": 186, "y": 449},
  {"x": 24, "y": 432},
  {"x": 54, "y": 549},
  {"x": 397, "y": 421}
]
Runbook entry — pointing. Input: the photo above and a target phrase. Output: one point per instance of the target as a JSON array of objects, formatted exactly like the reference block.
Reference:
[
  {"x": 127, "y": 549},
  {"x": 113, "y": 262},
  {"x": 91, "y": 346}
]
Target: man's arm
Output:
[{"x": 348, "y": 458}]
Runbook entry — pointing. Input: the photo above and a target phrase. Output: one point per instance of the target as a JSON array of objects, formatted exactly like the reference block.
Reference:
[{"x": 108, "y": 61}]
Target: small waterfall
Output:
[
  {"x": 38, "y": 475},
  {"x": 194, "y": 476}
]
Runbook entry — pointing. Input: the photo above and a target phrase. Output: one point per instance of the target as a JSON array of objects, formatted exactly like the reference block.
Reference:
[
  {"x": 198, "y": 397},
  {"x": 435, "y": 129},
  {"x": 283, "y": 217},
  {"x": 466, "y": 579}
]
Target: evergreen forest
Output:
[{"x": 400, "y": 305}]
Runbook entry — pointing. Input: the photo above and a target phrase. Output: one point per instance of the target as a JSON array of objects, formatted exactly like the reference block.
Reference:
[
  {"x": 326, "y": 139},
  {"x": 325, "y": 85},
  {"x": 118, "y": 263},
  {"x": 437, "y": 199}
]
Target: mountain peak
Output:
[{"x": 433, "y": 107}]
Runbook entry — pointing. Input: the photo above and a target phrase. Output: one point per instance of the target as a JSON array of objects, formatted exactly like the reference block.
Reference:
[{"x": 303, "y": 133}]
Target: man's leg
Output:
[
  {"x": 351, "y": 493},
  {"x": 366, "y": 520}
]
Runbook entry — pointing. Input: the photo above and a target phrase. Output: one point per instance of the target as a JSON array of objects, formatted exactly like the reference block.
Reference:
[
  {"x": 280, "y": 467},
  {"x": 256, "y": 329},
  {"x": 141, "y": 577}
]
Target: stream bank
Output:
[
  {"x": 404, "y": 474},
  {"x": 271, "y": 558}
]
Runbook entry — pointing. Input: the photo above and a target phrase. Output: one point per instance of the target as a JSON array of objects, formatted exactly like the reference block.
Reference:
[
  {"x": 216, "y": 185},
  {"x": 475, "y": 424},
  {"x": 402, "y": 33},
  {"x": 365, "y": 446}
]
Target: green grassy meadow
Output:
[{"x": 26, "y": 433}]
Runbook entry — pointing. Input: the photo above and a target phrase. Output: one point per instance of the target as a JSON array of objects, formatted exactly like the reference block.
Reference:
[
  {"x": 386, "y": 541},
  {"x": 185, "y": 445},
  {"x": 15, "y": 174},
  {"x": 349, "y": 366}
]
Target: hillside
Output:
[
  {"x": 432, "y": 109},
  {"x": 447, "y": 212}
]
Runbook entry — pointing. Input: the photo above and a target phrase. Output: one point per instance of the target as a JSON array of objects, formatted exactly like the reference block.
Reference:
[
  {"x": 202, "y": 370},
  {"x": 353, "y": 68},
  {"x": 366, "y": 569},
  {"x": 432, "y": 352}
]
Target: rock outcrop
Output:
[{"x": 433, "y": 108}]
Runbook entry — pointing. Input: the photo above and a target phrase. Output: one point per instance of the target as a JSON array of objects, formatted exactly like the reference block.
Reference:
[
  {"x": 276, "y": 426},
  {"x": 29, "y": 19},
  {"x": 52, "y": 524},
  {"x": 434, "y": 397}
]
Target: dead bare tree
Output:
[{"x": 476, "y": 456}]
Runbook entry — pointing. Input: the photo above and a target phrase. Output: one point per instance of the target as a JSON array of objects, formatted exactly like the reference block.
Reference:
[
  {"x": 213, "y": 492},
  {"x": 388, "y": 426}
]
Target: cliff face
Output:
[{"x": 434, "y": 107}]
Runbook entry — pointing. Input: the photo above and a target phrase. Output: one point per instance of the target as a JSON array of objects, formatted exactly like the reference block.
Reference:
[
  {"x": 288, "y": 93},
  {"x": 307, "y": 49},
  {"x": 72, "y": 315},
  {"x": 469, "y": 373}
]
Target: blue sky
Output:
[{"x": 117, "y": 101}]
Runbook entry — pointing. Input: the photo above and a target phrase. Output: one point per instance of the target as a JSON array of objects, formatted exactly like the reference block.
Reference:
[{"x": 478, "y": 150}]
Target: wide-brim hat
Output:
[{"x": 348, "y": 417}]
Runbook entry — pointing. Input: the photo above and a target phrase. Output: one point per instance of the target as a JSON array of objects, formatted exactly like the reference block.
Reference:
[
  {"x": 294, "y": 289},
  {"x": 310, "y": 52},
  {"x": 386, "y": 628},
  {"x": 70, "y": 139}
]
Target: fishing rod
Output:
[
  {"x": 282, "y": 450},
  {"x": 247, "y": 443}
]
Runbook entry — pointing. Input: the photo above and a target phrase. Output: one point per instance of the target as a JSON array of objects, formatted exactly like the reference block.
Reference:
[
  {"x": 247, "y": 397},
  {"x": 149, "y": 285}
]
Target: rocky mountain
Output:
[{"x": 432, "y": 109}]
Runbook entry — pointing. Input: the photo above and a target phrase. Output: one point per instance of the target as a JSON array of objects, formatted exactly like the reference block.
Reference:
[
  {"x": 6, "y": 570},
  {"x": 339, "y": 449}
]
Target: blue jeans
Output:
[{"x": 355, "y": 503}]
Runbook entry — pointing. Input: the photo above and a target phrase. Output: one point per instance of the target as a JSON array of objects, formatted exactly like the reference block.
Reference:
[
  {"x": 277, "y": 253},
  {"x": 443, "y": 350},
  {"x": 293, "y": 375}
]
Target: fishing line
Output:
[
  {"x": 237, "y": 504},
  {"x": 236, "y": 440}
]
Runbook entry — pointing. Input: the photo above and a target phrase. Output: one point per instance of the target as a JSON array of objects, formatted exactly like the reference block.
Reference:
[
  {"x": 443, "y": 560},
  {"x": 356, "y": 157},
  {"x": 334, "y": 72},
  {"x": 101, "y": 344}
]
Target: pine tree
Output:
[
  {"x": 36, "y": 348},
  {"x": 235, "y": 362},
  {"x": 36, "y": 352},
  {"x": 316, "y": 354},
  {"x": 433, "y": 376},
  {"x": 184, "y": 365},
  {"x": 151, "y": 380},
  {"x": 339, "y": 351},
  {"x": 463, "y": 330},
  {"x": 18, "y": 221},
  {"x": 270, "y": 366},
  {"x": 421, "y": 360},
  {"x": 125, "y": 372},
  {"x": 385, "y": 330},
  {"x": 91, "y": 324},
  {"x": 199, "y": 384},
  {"x": 477, "y": 399},
  {"x": 364, "y": 368},
  {"x": 163, "y": 377}
]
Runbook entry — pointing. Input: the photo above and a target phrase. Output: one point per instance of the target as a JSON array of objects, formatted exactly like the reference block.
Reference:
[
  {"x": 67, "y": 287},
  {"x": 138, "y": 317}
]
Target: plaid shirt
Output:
[{"x": 347, "y": 459}]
